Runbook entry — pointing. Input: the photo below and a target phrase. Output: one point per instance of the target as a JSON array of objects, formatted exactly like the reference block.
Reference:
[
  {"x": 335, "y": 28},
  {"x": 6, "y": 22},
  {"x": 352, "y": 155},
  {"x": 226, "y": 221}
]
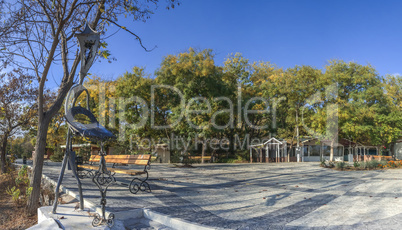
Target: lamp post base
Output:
[{"x": 98, "y": 220}]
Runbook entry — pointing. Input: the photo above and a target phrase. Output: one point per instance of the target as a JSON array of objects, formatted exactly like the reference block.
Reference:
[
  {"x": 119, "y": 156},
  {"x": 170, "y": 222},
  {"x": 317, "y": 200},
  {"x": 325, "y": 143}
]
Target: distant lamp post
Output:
[{"x": 89, "y": 45}]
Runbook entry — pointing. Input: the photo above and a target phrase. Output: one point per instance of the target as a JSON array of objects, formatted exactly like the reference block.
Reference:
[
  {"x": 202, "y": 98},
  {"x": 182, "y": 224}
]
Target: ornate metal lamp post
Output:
[{"x": 89, "y": 44}]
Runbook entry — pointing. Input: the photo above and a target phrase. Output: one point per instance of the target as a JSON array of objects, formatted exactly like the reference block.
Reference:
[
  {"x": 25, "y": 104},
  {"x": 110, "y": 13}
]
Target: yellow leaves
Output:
[
  {"x": 258, "y": 107},
  {"x": 105, "y": 53}
]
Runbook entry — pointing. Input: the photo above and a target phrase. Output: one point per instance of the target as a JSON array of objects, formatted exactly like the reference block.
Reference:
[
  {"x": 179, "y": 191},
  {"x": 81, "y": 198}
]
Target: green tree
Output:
[
  {"x": 199, "y": 80},
  {"x": 134, "y": 93},
  {"x": 360, "y": 100},
  {"x": 17, "y": 107},
  {"x": 290, "y": 90}
]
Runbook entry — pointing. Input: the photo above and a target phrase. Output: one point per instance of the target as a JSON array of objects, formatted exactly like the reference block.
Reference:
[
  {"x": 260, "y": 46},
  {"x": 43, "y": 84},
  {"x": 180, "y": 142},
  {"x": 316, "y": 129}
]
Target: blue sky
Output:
[{"x": 285, "y": 33}]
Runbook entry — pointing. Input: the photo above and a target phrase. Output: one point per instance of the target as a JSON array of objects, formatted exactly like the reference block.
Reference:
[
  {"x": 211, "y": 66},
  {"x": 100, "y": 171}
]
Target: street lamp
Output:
[{"x": 89, "y": 44}]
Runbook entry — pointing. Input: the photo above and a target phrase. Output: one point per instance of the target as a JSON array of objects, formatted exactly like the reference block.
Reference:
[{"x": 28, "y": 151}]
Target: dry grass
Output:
[{"x": 11, "y": 215}]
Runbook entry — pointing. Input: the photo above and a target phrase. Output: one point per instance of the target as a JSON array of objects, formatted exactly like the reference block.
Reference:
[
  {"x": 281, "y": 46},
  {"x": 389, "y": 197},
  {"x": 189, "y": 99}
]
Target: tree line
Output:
[{"x": 194, "y": 101}]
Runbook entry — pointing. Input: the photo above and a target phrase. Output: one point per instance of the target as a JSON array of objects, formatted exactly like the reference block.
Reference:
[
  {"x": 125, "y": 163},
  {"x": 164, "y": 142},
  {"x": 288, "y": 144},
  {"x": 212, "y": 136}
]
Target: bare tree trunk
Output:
[
  {"x": 36, "y": 176},
  {"x": 291, "y": 144},
  {"x": 3, "y": 153},
  {"x": 203, "y": 152},
  {"x": 331, "y": 155}
]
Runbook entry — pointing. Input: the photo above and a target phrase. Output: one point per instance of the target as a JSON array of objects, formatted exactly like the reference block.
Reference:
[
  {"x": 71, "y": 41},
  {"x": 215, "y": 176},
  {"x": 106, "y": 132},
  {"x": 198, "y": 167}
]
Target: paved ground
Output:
[{"x": 262, "y": 196}]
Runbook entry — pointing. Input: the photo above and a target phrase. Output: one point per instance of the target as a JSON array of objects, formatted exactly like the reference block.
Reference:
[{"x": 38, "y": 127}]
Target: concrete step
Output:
[
  {"x": 68, "y": 217},
  {"x": 146, "y": 224}
]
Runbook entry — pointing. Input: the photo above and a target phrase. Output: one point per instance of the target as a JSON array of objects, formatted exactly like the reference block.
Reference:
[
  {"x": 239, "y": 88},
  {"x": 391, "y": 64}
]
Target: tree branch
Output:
[{"x": 132, "y": 33}]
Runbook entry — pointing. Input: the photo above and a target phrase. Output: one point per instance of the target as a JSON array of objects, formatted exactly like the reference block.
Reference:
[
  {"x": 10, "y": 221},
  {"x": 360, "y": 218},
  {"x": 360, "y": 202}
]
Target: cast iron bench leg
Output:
[{"x": 137, "y": 184}]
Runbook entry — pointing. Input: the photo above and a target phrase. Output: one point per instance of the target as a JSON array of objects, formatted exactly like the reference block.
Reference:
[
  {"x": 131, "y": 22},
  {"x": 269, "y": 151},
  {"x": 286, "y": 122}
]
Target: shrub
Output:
[
  {"x": 57, "y": 155},
  {"x": 227, "y": 160},
  {"x": 175, "y": 157},
  {"x": 14, "y": 193},
  {"x": 340, "y": 165},
  {"x": 184, "y": 158},
  {"x": 187, "y": 160},
  {"x": 8, "y": 163},
  {"x": 373, "y": 164},
  {"x": 391, "y": 164},
  {"x": 356, "y": 164},
  {"x": 21, "y": 181},
  {"x": 22, "y": 176},
  {"x": 322, "y": 163},
  {"x": 383, "y": 164},
  {"x": 331, "y": 164}
]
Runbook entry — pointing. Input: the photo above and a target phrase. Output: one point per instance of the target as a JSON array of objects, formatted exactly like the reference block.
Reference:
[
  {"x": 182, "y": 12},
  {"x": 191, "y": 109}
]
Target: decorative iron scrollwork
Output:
[
  {"x": 148, "y": 166},
  {"x": 98, "y": 220},
  {"x": 138, "y": 184},
  {"x": 103, "y": 178},
  {"x": 82, "y": 174}
]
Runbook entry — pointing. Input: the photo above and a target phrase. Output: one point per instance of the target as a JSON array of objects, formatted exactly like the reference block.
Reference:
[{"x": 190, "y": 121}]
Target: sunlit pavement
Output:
[{"x": 261, "y": 196}]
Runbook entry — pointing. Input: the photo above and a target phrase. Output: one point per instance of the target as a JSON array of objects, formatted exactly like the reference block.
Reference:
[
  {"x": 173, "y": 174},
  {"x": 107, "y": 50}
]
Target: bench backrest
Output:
[
  {"x": 200, "y": 157},
  {"x": 94, "y": 158},
  {"x": 123, "y": 159}
]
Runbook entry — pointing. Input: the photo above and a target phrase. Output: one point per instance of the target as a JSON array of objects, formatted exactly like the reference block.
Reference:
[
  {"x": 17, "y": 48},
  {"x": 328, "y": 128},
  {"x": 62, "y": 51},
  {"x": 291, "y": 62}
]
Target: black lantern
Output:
[{"x": 89, "y": 45}]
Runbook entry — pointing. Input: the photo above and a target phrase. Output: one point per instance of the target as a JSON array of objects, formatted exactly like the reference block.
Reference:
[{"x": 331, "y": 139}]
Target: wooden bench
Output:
[
  {"x": 199, "y": 158},
  {"x": 136, "y": 184}
]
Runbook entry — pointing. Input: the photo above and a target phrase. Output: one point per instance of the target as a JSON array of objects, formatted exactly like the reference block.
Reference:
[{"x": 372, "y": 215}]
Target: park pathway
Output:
[{"x": 261, "y": 196}]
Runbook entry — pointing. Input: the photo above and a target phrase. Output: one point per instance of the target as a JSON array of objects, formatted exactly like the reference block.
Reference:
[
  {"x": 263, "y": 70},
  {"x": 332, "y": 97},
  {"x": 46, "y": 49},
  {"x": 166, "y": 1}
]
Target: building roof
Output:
[
  {"x": 273, "y": 140},
  {"x": 80, "y": 145}
]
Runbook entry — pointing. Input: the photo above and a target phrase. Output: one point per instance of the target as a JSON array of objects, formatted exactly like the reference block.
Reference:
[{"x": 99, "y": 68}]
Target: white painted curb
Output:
[
  {"x": 172, "y": 222},
  {"x": 48, "y": 224}
]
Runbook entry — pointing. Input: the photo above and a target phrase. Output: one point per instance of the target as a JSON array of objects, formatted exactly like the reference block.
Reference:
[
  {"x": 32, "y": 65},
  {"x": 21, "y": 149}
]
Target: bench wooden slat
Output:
[
  {"x": 123, "y": 159},
  {"x": 94, "y": 158},
  {"x": 116, "y": 170},
  {"x": 199, "y": 158},
  {"x": 138, "y": 162},
  {"x": 145, "y": 156},
  {"x": 127, "y": 171}
]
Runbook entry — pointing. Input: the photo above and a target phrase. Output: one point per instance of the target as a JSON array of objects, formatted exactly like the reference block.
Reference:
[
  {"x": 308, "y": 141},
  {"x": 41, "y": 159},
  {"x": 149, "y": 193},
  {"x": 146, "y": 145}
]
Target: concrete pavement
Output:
[{"x": 260, "y": 196}]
